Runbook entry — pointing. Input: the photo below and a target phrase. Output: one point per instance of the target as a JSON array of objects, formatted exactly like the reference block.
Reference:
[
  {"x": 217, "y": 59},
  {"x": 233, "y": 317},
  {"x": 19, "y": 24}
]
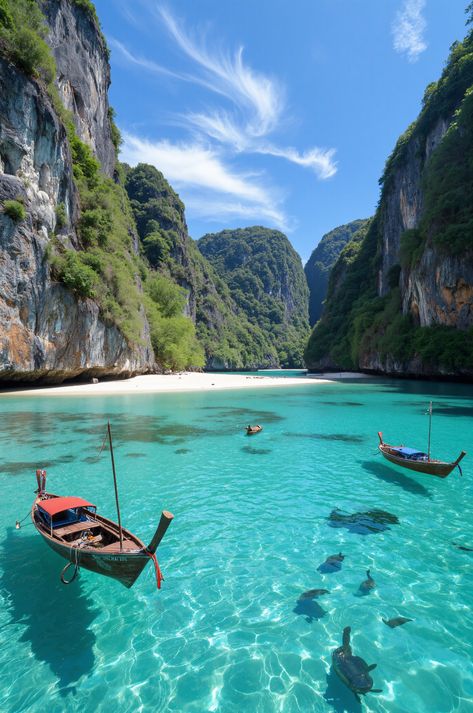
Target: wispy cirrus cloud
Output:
[
  {"x": 230, "y": 76},
  {"x": 212, "y": 189},
  {"x": 408, "y": 29},
  {"x": 243, "y": 112}
]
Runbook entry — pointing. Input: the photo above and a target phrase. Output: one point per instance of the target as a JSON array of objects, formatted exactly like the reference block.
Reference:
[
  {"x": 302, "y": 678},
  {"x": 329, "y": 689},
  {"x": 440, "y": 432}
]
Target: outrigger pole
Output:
[
  {"x": 115, "y": 485},
  {"x": 430, "y": 427}
]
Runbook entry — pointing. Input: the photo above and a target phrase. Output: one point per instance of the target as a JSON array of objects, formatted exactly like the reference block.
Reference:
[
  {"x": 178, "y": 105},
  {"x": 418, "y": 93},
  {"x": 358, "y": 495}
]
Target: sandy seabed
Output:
[{"x": 185, "y": 381}]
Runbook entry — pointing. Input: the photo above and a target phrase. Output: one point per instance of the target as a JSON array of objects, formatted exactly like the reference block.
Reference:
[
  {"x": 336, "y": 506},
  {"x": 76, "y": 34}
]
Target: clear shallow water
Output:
[{"x": 226, "y": 632}]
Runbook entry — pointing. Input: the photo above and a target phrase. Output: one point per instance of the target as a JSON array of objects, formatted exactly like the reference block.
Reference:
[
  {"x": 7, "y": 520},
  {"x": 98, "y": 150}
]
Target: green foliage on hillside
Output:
[
  {"x": 22, "y": 33},
  {"x": 15, "y": 210},
  {"x": 448, "y": 185},
  {"x": 159, "y": 215},
  {"x": 321, "y": 261},
  {"x": 265, "y": 278},
  {"x": 172, "y": 334},
  {"x": 222, "y": 328}
]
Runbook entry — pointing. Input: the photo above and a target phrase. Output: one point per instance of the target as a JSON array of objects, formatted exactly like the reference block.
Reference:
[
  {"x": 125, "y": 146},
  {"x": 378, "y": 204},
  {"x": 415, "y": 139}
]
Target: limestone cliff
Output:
[
  {"x": 321, "y": 261},
  {"x": 47, "y": 331},
  {"x": 83, "y": 75},
  {"x": 404, "y": 305}
]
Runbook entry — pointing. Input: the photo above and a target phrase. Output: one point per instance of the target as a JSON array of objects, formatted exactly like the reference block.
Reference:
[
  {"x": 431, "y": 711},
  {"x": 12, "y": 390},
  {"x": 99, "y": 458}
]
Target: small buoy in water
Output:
[{"x": 17, "y": 525}]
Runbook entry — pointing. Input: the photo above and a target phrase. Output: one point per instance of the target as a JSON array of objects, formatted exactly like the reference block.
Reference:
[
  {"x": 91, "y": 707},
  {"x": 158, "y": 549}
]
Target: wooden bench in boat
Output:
[{"x": 76, "y": 527}]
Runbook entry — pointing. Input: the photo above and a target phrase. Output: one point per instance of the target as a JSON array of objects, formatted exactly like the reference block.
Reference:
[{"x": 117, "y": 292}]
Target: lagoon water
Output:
[{"x": 226, "y": 632}]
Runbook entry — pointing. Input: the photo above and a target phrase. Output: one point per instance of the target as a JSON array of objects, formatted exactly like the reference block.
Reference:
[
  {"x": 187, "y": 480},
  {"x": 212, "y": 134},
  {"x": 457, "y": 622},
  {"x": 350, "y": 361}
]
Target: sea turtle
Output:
[
  {"x": 353, "y": 670},
  {"x": 367, "y": 585},
  {"x": 332, "y": 564}
]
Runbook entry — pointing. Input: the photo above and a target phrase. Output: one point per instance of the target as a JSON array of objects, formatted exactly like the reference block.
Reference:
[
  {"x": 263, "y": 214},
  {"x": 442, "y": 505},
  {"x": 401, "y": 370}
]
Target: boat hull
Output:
[
  {"x": 125, "y": 567},
  {"x": 439, "y": 468}
]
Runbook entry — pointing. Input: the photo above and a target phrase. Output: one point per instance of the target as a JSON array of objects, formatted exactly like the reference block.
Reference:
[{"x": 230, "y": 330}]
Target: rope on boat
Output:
[
  {"x": 159, "y": 576},
  {"x": 18, "y": 522},
  {"x": 74, "y": 564},
  {"x": 460, "y": 469},
  {"x": 76, "y": 572}
]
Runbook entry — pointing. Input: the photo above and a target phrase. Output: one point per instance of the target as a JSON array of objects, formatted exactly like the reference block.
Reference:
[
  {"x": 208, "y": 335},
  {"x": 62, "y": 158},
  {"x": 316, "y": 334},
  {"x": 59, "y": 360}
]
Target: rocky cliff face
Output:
[
  {"x": 46, "y": 331},
  {"x": 321, "y": 261},
  {"x": 83, "y": 75},
  {"x": 403, "y": 302},
  {"x": 402, "y": 204}
]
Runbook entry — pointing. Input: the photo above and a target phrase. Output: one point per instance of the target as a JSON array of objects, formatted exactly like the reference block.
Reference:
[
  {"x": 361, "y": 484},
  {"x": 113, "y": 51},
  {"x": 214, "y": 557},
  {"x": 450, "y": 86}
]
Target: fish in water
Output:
[
  {"x": 397, "y": 621},
  {"x": 332, "y": 564},
  {"x": 462, "y": 547},
  {"x": 311, "y": 593},
  {"x": 353, "y": 670},
  {"x": 368, "y": 585}
]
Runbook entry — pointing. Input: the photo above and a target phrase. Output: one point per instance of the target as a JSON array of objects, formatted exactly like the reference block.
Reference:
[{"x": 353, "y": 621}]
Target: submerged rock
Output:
[{"x": 363, "y": 523}]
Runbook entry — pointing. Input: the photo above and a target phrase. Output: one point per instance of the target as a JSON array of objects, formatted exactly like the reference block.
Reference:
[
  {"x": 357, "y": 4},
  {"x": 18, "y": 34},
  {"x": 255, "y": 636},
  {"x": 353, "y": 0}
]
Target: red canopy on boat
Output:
[{"x": 55, "y": 505}]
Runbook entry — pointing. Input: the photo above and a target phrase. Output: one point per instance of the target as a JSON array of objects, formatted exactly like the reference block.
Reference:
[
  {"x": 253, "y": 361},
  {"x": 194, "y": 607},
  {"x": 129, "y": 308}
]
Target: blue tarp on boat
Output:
[{"x": 411, "y": 453}]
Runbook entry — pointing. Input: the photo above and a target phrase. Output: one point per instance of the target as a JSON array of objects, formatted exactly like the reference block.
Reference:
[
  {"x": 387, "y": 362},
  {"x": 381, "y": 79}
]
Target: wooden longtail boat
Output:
[
  {"x": 251, "y": 430},
  {"x": 72, "y": 528},
  {"x": 413, "y": 459}
]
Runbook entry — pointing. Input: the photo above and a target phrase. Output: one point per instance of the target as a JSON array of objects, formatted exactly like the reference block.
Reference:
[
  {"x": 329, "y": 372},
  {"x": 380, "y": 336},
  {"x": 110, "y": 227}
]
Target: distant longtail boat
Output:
[
  {"x": 72, "y": 528},
  {"x": 413, "y": 459}
]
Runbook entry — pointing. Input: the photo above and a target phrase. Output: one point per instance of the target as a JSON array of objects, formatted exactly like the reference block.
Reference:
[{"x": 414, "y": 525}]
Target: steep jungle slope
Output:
[
  {"x": 76, "y": 298},
  {"x": 321, "y": 261},
  {"x": 404, "y": 305},
  {"x": 265, "y": 277},
  {"x": 229, "y": 339}
]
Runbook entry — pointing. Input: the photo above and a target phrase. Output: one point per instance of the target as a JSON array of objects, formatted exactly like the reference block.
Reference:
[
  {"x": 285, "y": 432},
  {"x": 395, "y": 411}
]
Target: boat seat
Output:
[{"x": 76, "y": 527}]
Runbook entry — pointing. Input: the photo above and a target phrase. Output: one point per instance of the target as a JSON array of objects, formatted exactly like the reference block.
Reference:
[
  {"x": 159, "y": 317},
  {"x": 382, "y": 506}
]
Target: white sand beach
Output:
[{"x": 185, "y": 381}]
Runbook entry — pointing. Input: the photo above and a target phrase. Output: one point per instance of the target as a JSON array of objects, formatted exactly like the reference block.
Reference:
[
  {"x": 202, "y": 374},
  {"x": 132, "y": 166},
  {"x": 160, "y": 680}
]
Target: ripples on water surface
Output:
[{"x": 227, "y": 632}]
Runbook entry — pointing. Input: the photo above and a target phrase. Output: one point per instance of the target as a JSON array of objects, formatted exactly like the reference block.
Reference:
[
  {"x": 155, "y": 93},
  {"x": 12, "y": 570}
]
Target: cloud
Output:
[
  {"x": 230, "y": 76},
  {"x": 320, "y": 160},
  {"x": 238, "y": 115},
  {"x": 141, "y": 61},
  {"x": 201, "y": 174},
  {"x": 216, "y": 211},
  {"x": 408, "y": 29}
]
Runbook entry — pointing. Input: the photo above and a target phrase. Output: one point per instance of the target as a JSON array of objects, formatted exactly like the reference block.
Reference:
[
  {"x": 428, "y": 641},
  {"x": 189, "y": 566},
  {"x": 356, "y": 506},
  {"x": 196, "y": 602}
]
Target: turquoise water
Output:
[{"x": 226, "y": 632}]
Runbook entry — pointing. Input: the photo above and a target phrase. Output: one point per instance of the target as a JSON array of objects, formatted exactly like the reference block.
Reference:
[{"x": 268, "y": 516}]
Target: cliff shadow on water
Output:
[{"x": 55, "y": 619}]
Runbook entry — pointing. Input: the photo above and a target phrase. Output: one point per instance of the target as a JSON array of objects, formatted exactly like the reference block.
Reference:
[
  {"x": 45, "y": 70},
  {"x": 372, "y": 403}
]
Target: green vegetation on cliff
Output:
[
  {"x": 321, "y": 261},
  {"x": 228, "y": 338},
  {"x": 265, "y": 277},
  {"x": 22, "y": 33},
  {"x": 357, "y": 322}
]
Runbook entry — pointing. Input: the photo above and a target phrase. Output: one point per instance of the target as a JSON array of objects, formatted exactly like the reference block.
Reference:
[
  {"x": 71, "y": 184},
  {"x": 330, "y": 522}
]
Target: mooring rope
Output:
[{"x": 159, "y": 576}]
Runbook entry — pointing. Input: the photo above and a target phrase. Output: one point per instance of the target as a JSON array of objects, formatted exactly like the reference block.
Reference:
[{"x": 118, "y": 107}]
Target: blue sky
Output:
[{"x": 271, "y": 112}]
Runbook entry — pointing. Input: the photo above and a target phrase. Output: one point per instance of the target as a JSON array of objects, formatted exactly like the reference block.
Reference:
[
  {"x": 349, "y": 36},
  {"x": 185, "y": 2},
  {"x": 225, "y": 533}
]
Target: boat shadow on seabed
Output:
[{"x": 55, "y": 619}]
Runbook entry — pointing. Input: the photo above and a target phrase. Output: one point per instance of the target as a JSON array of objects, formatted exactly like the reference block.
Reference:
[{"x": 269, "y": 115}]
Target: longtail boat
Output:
[
  {"x": 251, "y": 430},
  {"x": 413, "y": 459},
  {"x": 72, "y": 527}
]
